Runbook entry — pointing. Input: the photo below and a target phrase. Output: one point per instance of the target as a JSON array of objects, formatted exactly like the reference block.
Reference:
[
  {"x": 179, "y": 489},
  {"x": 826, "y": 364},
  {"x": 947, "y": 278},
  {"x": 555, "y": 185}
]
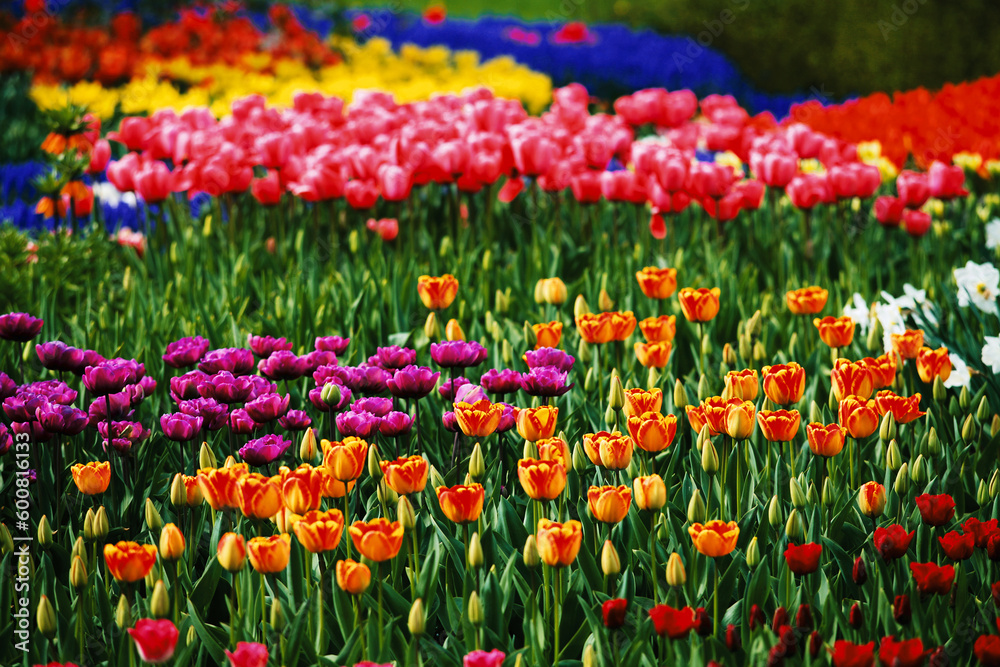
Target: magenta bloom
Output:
[
  {"x": 458, "y": 353},
  {"x": 58, "y": 356},
  {"x": 261, "y": 387},
  {"x": 210, "y": 410},
  {"x": 155, "y": 641},
  {"x": 265, "y": 346},
  {"x": 19, "y": 327},
  {"x": 225, "y": 387},
  {"x": 370, "y": 380},
  {"x": 318, "y": 358},
  {"x": 282, "y": 365},
  {"x": 261, "y": 451},
  {"x": 32, "y": 429},
  {"x": 22, "y": 406},
  {"x": 240, "y": 423},
  {"x": 492, "y": 658},
  {"x": 549, "y": 356},
  {"x": 236, "y": 360},
  {"x": 395, "y": 423},
  {"x": 316, "y": 397},
  {"x": 110, "y": 376},
  {"x": 332, "y": 373},
  {"x": 499, "y": 382},
  {"x": 335, "y": 344},
  {"x": 121, "y": 407},
  {"x": 449, "y": 422},
  {"x": 133, "y": 431},
  {"x": 295, "y": 420},
  {"x": 187, "y": 386},
  {"x": 7, "y": 386},
  {"x": 91, "y": 358},
  {"x": 179, "y": 426},
  {"x": 6, "y": 441},
  {"x": 248, "y": 654},
  {"x": 360, "y": 424},
  {"x": 449, "y": 388},
  {"x": 393, "y": 357},
  {"x": 185, "y": 352},
  {"x": 470, "y": 393},
  {"x": 61, "y": 419},
  {"x": 379, "y": 407},
  {"x": 147, "y": 384},
  {"x": 412, "y": 382},
  {"x": 267, "y": 408},
  {"x": 545, "y": 381},
  {"x": 56, "y": 391},
  {"x": 508, "y": 419}
]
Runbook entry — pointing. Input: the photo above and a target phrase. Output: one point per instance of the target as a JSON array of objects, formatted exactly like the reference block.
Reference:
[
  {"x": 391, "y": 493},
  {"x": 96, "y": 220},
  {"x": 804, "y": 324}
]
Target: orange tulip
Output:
[
  {"x": 437, "y": 293},
  {"x": 697, "y": 418},
  {"x": 537, "y": 423},
  {"x": 345, "y": 459},
  {"x": 192, "y": 491},
  {"x": 218, "y": 485},
  {"x": 610, "y": 450},
  {"x": 715, "y": 412},
  {"x": 739, "y": 419},
  {"x": 559, "y": 543},
  {"x": 406, "y": 475},
  {"x": 650, "y": 492},
  {"x": 904, "y": 409},
  {"x": 129, "y": 561},
  {"x": 462, "y": 503},
  {"x": 378, "y": 540},
  {"x": 551, "y": 290},
  {"x": 232, "y": 552},
  {"x": 622, "y": 324},
  {"x": 553, "y": 449},
  {"x": 171, "y": 542},
  {"x": 653, "y": 355},
  {"x": 547, "y": 334},
  {"x": 858, "y": 415},
  {"x": 320, "y": 531},
  {"x": 609, "y": 504},
  {"x": 541, "y": 480},
  {"x": 595, "y": 328},
  {"x": 933, "y": 364},
  {"x": 302, "y": 488},
  {"x": 453, "y": 330},
  {"x": 825, "y": 440},
  {"x": 259, "y": 497},
  {"x": 639, "y": 401},
  {"x": 908, "y": 343},
  {"x": 657, "y": 283},
  {"x": 806, "y": 300},
  {"x": 660, "y": 329},
  {"x": 352, "y": 577},
  {"x": 743, "y": 384},
  {"x": 835, "y": 331},
  {"x": 784, "y": 384},
  {"x": 852, "y": 378},
  {"x": 715, "y": 538},
  {"x": 699, "y": 305},
  {"x": 871, "y": 499},
  {"x": 269, "y": 555},
  {"x": 334, "y": 488},
  {"x": 92, "y": 478},
  {"x": 652, "y": 432},
  {"x": 54, "y": 143},
  {"x": 883, "y": 369},
  {"x": 779, "y": 425},
  {"x": 478, "y": 419}
]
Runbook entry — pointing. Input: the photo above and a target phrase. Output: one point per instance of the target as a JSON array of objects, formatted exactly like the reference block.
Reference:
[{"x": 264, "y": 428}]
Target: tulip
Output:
[
  {"x": 784, "y": 384},
  {"x": 547, "y": 334},
  {"x": 155, "y": 641},
  {"x": 779, "y": 425},
  {"x": 610, "y": 450},
  {"x": 742, "y": 384},
  {"x": 264, "y": 450},
  {"x": 652, "y": 432},
  {"x": 346, "y": 459},
  {"x": 933, "y": 364},
  {"x": 983, "y": 530},
  {"x": 613, "y": 612},
  {"x": 58, "y": 356},
  {"x": 935, "y": 510},
  {"x": 908, "y": 343},
  {"x": 269, "y": 555},
  {"x": 903, "y": 409},
  {"x": 672, "y": 623},
  {"x": 559, "y": 543},
  {"x": 858, "y": 415},
  {"x": 806, "y": 300},
  {"x": 171, "y": 543},
  {"x": 657, "y": 283},
  {"x": 20, "y": 327},
  {"x": 378, "y": 540},
  {"x": 219, "y": 486},
  {"x": 258, "y": 496},
  {"x": 541, "y": 480},
  {"x": 248, "y": 654},
  {"x": 640, "y": 401},
  {"x": 352, "y": 577},
  {"x": 933, "y": 579},
  {"x": 871, "y": 499},
  {"x": 653, "y": 355},
  {"x": 892, "y": 542},
  {"x": 739, "y": 419},
  {"x": 609, "y": 504},
  {"x": 836, "y": 332},
  {"x": 406, "y": 475},
  {"x": 883, "y": 369},
  {"x": 957, "y": 546},
  {"x": 129, "y": 561},
  {"x": 660, "y": 329},
  {"x": 825, "y": 440},
  {"x": 535, "y": 424},
  {"x": 232, "y": 552},
  {"x": 716, "y": 538},
  {"x": 803, "y": 559},
  {"x": 462, "y": 503},
  {"x": 650, "y": 492},
  {"x": 92, "y": 478},
  {"x": 320, "y": 531},
  {"x": 437, "y": 293},
  {"x": 699, "y": 305},
  {"x": 302, "y": 488}
]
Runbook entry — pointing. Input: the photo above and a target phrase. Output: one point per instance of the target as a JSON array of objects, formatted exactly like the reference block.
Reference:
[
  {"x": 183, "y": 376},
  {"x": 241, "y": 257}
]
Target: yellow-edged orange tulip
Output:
[
  {"x": 553, "y": 449},
  {"x": 715, "y": 538},
  {"x": 657, "y": 283},
  {"x": 640, "y": 401},
  {"x": 779, "y": 425},
  {"x": 352, "y": 577},
  {"x": 462, "y": 503},
  {"x": 345, "y": 459},
  {"x": 609, "y": 504},
  {"x": 406, "y": 475},
  {"x": 609, "y": 450},
  {"x": 535, "y": 424},
  {"x": 541, "y": 480},
  {"x": 871, "y": 499},
  {"x": 652, "y": 432},
  {"x": 653, "y": 355},
  {"x": 269, "y": 555},
  {"x": 171, "y": 542},
  {"x": 933, "y": 364},
  {"x": 259, "y": 496},
  {"x": 740, "y": 419},
  {"x": 479, "y": 419},
  {"x": 437, "y": 293},
  {"x": 547, "y": 334},
  {"x": 595, "y": 327},
  {"x": 699, "y": 305},
  {"x": 378, "y": 540},
  {"x": 218, "y": 485},
  {"x": 908, "y": 343},
  {"x": 302, "y": 488},
  {"x": 559, "y": 543},
  {"x": 232, "y": 552},
  {"x": 320, "y": 531},
  {"x": 743, "y": 384},
  {"x": 806, "y": 300},
  {"x": 835, "y": 331},
  {"x": 714, "y": 408},
  {"x": 660, "y": 329},
  {"x": 852, "y": 378},
  {"x": 650, "y": 492},
  {"x": 825, "y": 440},
  {"x": 129, "y": 561},
  {"x": 784, "y": 384},
  {"x": 858, "y": 415},
  {"x": 883, "y": 369},
  {"x": 904, "y": 409},
  {"x": 92, "y": 478}
]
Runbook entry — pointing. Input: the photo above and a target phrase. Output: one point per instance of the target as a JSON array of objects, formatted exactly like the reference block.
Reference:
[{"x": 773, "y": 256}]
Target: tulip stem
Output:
[
  {"x": 738, "y": 515},
  {"x": 320, "y": 638},
  {"x": 557, "y": 602},
  {"x": 652, "y": 556},
  {"x": 381, "y": 623},
  {"x": 177, "y": 592},
  {"x": 416, "y": 560},
  {"x": 263, "y": 612},
  {"x": 701, "y": 349},
  {"x": 850, "y": 459},
  {"x": 715, "y": 599},
  {"x": 347, "y": 514},
  {"x": 708, "y": 499}
]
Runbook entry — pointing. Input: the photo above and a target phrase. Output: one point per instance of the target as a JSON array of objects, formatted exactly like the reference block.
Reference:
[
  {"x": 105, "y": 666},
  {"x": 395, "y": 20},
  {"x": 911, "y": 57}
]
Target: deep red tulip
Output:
[
  {"x": 155, "y": 641},
  {"x": 859, "y": 573},
  {"x": 733, "y": 641},
  {"x": 916, "y": 223},
  {"x": 779, "y": 619},
  {"x": 936, "y": 510},
  {"x": 987, "y": 650},
  {"x": 757, "y": 618},
  {"x": 670, "y": 622},
  {"x": 901, "y": 609},
  {"x": 614, "y": 612},
  {"x": 804, "y": 618},
  {"x": 932, "y": 578},
  {"x": 909, "y": 653},
  {"x": 983, "y": 530},
  {"x": 889, "y": 210},
  {"x": 892, "y": 542},
  {"x": 849, "y": 654},
  {"x": 958, "y": 546},
  {"x": 804, "y": 558},
  {"x": 855, "y": 618}
]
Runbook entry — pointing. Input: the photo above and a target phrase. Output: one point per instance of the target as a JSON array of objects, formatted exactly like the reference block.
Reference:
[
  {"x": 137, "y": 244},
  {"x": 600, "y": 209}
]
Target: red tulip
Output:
[
  {"x": 670, "y": 622},
  {"x": 987, "y": 650},
  {"x": 849, "y": 654},
  {"x": 803, "y": 559},
  {"x": 155, "y": 641},
  {"x": 776, "y": 169},
  {"x": 916, "y": 223},
  {"x": 946, "y": 181},
  {"x": 932, "y": 578},
  {"x": 936, "y": 510},
  {"x": 614, "y": 612},
  {"x": 892, "y": 542},
  {"x": 267, "y": 190},
  {"x": 248, "y": 654},
  {"x": 983, "y": 530},
  {"x": 913, "y": 188},
  {"x": 361, "y": 194},
  {"x": 394, "y": 182},
  {"x": 889, "y": 210},
  {"x": 807, "y": 190},
  {"x": 153, "y": 182},
  {"x": 909, "y": 653},
  {"x": 958, "y": 546}
]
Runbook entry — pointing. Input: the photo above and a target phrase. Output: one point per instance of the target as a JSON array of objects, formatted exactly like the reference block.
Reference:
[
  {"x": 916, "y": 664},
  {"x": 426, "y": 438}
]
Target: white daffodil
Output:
[
  {"x": 993, "y": 234},
  {"x": 960, "y": 376},
  {"x": 991, "y": 353},
  {"x": 859, "y": 311},
  {"x": 891, "y": 317},
  {"x": 979, "y": 285}
]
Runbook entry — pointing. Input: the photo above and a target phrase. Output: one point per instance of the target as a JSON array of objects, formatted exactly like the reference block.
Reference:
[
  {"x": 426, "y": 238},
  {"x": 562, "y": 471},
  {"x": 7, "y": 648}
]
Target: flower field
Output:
[{"x": 323, "y": 352}]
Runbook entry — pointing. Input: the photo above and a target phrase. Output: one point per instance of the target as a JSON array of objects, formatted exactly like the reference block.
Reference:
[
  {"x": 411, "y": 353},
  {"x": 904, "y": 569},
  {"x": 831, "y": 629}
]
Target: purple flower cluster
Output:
[
  {"x": 412, "y": 382},
  {"x": 265, "y": 346},
  {"x": 185, "y": 352},
  {"x": 264, "y": 450},
  {"x": 236, "y": 360},
  {"x": 458, "y": 353},
  {"x": 393, "y": 357},
  {"x": 19, "y": 327}
]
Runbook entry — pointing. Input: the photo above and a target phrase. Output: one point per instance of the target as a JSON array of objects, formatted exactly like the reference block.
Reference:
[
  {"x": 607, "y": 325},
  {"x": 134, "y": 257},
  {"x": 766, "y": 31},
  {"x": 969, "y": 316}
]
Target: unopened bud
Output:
[
  {"x": 475, "y": 555},
  {"x": 159, "y": 604},
  {"x": 680, "y": 395},
  {"x": 477, "y": 464},
  {"x": 78, "y": 574},
  {"x": 307, "y": 446},
  {"x": 580, "y": 307},
  {"x": 774, "y": 515},
  {"x": 530, "y": 552},
  {"x": 753, "y": 553},
  {"x": 530, "y": 337},
  {"x": 902, "y": 483},
  {"x": 704, "y": 388},
  {"x": 893, "y": 457},
  {"x": 729, "y": 355},
  {"x": 933, "y": 442},
  {"x": 616, "y": 397},
  {"x": 123, "y": 614},
  {"x": 475, "y": 611},
  {"x": 793, "y": 527},
  {"x": 417, "y": 621},
  {"x": 330, "y": 394},
  {"x": 709, "y": 458},
  {"x": 918, "y": 471},
  {"x": 206, "y": 457},
  {"x": 44, "y": 532},
  {"x": 610, "y": 563},
  {"x": 938, "y": 391},
  {"x": 796, "y": 494},
  {"x": 964, "y": 399},
  {"x": 101, "y": 524},
  {"x": 887, "y": 429},
  {"x": 431, "y": 327},
  {"x": 46, "y": 617},
  {"x": 969, "y": 429},
  {"x": 696, "y": 511},
  {"x": 604, "y": 301},
  {"x": 405, "y": 513}
]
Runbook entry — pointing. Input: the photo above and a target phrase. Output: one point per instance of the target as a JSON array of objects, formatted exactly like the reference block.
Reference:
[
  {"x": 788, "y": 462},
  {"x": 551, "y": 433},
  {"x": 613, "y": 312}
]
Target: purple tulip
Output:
[
  {"x": 295, "y": 420},
  {"x": 549, "y": 356},
  {"x": 121, "y": 407},
  {"x": 449, "y": 388},
  {"x": 240, "y": 423},
  {"x": 360, "y": 424},
  {"x": 56, "y": 391},
  {"x": 226, "y": 387},
  {"x": 318, "y": 358},
  {"x": 379, "y": 407},
  {"x": 332, "y": 373},
  {"x": 185, "y": 352},
  {"x": 503, "y": 381},
  {"x": 19, "y": 327},
  {"x": 261, "y": 451},
  {"x": 148, "y": 385},
  {"x": 132, "y": 431},
  {"x": 458, "y": 353},
  {"x": 316, "y": 397},
  {"x": 91, "y": 358},
  {"x": 60, "y": 357},
  {"x": 6, "y": 441},
  {"x": 508, "y": 419},
  {"x": 236, "y": 360},
  {"x": 282, "y": 365},
  {"x": 370, "y": 380},
  {"x": 267, "y": 408},
  {"x": 32, "y": 429},
  {"x": 335, "y": 344},
  {"x": 261, "y": 387},
  {"x": 265, "y": 346},
  {"x": 449, "y": 422},
  {"x": 61, "y": 419},
  {"x": 395, "y": 423},
  {"x": 185, "y": 387},
  {"x": 210, "y": 410},
  {"x": 470, "y": 393},
  {"x": 7, "y": 386},
  {"x": 393, "y": 357},
  {"x": 412, "y": 382},
  {"x": 110, "y": 377},
  {"x": 22, "y": 407},
  {"x": 180, "y": 427},
  {"x": 545, "y": 381}
]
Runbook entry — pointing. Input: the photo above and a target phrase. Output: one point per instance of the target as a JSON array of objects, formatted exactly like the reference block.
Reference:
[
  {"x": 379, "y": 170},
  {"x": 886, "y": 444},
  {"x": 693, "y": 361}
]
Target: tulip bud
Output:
[
  {"x": 123, "y": 614},
  {"x": 386, "y": 494},
  {"x": 374, "y": 463},
  {"x": 277, "y": 616},
  {"x": 939, "y": 392},
  {"x": 902, "y": 483},
  {"x": 507, "y": 352},
  {"x": 779, "y": 619},
  {"x": 232, "y": 552},
  {"x": 405, "y": 514},
  {"x": 530, "y": 553},
  {"x": 918, "y": 472},
  {"x": 704, "y": 389},
  {"x": 330, "y": 393},
  {"x": 78, "y": 573},
  {"x": 475, "y": 610},
  {"x": 633, "y": 468},
  {"x": 604, "y": 301},
  {"x": 793, "y": 527},
  {"x": 893, "y": 457},
  {"x": 652, "y": 378},
  {"x": 529, "y": 450},
  {"x": 586, "y": 356},
  {"x": 354, "y": 242},
  {"x": 995, "y": 484},
  {"x": 530, "y": 337},
  {"x": 431, "y": 327},
  {"x": 589, "y": 656},
  {"x": 500, "y": 303},
  {"x": 755, "y": 324},
  {"x": 307, "y": 446},
  {"x": 756, "y": 619},
  {"x": 746, "y": 348},
  {"x": 964, "y": 398},
  {"x": 616, "y": 397},
  {"x": 540, "y": 291},
  {"x": 696, "y": 511},
  {"x": 933, "y": 442},
  {"x": 590, "y": 380},
  {"x": 706, "y": 346},
  {"x": 954, "y": 409},
  {"x": 477, "y": 464},
  {"x": 178, "y": 492},
  {"x": 887, "y": 429},
  {"x": 436, "y": 478},
  {"x": 968, "y": 430},
  {"x": 580, "y": 307},
  {"x": 703, "y": 437},
  {"x": 417, "y": 621},
  {"x": 796, "y": 494},
  {"x": 229, "y": 462},
  {"x": 475, "y": 555},
  {"x": 153, "y": 520},
  {"x": 709, "y": 458},
  {"x": 159, "y": 604},
  {"x": 995, "y": 426},
  {"x": 6, "y": 541},
  {"x": 729, "y": 355},
  {"x": 676, "y": 574},
  {"x": 487, "y": 259},
  {"x": 774, "y": 516},
  {"x": 610, "y": 563},
  {"x": 101, "y": 524},
  {"x": 610, "y": 417},
  {"x": 901, "y": 609},
  {"x": 855, "y": 619},
  {"x": 206, "y": 457},
  {"x": 812, "y": 495},
  {"x": 982, "y": 493},
  {"x": 680, "y": 395},
  {"x": 192, "y": 635},
  {"x": 832, "y": 402},
  {"x": 580, "y": 460},
  {"x": 753, "y": 553},
  {"x": 88, "y": 526},
  {"x": 759, "y": 352},
  {"x": 46, "y": 617},
  {"x": 875, "y": 333},
  {"x": 171, "y": 543},
  {"x": 44, "y": 532}
]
